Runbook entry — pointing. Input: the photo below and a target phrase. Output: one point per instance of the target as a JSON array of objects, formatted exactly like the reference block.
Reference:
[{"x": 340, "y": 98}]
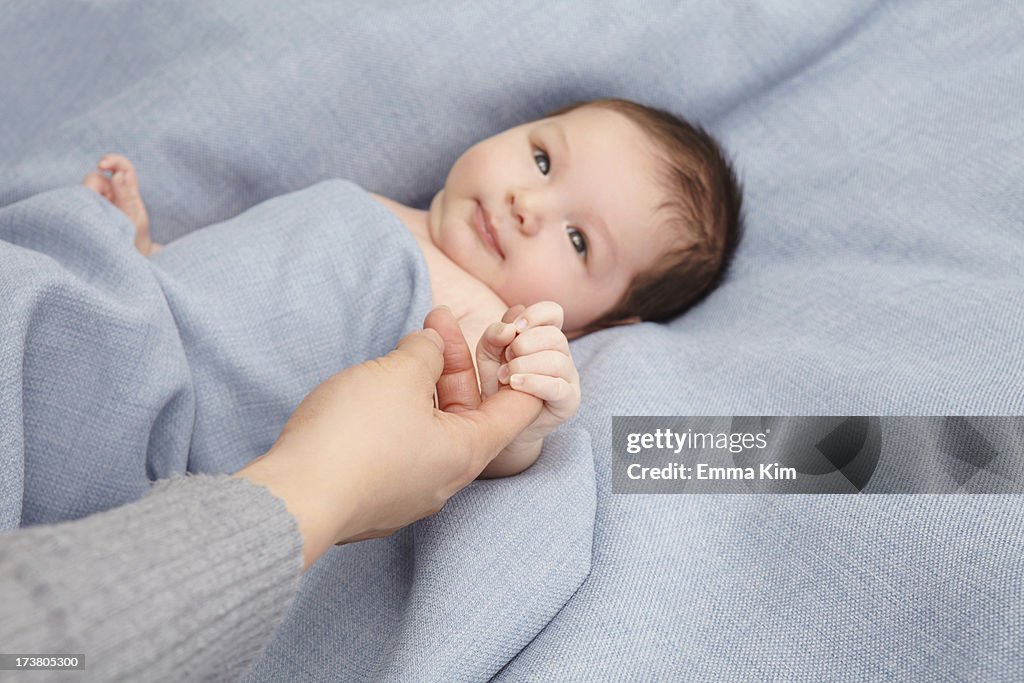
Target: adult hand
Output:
[{"x": 367, "y": 453}]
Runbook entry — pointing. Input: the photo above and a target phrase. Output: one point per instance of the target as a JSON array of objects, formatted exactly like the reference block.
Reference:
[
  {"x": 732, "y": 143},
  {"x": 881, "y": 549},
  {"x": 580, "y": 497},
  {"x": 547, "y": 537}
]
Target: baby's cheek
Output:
[
  {"x": 469, "y": 170},
  {"x": 530, "y": 289}
]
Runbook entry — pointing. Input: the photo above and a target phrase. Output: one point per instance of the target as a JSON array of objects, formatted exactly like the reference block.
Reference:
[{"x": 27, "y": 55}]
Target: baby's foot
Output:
[{"x": 121, "y": 188}]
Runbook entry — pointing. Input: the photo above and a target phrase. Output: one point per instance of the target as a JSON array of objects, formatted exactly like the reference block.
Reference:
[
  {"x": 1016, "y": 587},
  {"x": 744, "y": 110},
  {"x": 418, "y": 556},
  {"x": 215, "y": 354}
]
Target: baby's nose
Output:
[
  {"x": 526, "y": 212},
  {"x": 529, "y": 224}
]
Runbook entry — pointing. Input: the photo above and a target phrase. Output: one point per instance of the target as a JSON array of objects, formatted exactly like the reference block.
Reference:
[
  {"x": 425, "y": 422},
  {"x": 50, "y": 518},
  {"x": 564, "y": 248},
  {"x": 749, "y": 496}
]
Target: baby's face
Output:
[{"x": 561, "y": 209}]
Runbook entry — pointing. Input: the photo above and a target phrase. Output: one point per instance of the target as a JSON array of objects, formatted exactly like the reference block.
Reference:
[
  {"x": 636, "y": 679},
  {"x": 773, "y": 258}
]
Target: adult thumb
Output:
[
  {"x": 457, "y": 388},
  {"x": 425, "y": 348}
]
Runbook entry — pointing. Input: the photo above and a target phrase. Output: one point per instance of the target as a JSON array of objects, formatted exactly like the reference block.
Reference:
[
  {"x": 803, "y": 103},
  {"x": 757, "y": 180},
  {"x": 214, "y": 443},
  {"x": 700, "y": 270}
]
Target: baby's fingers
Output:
[
  {"x": 550, "y": 376},
  {"x": 541, "y": 313},
  {"x": 560, "y": 397},
  {"x": 512, "y": 313},
  {"x": 536, "y": 339},
  {"x": 489, "y": 351},
  {"x": 550, "y": 363},
  {"x": 494, "y": 340}
]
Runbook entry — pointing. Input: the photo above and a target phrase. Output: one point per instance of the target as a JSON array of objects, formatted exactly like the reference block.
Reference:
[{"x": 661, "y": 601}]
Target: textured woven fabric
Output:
[
  {"x": 880, "y": 147},
  {"x": 119, "y": 370},
  {"x": 185, "y": 584}
]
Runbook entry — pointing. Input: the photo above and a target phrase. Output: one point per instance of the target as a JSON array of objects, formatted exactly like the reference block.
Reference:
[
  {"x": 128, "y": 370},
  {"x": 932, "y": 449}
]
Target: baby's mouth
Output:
[{"x": 485, "y": 229}]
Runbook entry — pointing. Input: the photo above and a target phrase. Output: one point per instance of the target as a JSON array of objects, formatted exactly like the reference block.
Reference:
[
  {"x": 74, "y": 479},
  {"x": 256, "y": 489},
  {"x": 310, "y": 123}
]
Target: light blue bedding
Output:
[
  {"x": 880, "y": 146},
  {"x": 119, "y": 370}
]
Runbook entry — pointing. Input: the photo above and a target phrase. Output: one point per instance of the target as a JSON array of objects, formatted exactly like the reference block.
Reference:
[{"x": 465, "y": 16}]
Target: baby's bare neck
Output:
[{"x": 474, "y": 304}]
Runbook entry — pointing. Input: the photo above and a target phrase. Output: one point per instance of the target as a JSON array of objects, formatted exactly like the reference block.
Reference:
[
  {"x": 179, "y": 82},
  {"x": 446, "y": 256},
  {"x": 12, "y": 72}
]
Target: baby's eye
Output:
[
  {"x": 543, "y": 162},
  {"x": 579, "y": 242}
]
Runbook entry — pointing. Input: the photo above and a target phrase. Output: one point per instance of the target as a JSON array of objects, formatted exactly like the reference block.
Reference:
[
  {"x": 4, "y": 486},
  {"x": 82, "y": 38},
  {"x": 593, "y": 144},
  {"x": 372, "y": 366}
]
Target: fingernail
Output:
[
  {"x": 503, "y": 372},
  {"x": 445, "y": 308},
  {"x": 516, "y": 381},
  {"x": 521, "y": 324},
  {"x": 508, "y": 353}
]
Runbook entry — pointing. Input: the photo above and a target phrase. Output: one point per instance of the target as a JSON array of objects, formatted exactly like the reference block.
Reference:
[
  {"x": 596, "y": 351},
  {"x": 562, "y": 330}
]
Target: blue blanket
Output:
[
  {"x": 119, "y": 370},
  {"x": 880, "y": 145}
]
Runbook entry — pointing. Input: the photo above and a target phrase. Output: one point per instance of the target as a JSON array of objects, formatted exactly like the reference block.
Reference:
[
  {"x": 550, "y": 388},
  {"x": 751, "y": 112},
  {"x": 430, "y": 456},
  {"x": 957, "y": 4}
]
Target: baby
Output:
[{"x": 602, "y": 213}]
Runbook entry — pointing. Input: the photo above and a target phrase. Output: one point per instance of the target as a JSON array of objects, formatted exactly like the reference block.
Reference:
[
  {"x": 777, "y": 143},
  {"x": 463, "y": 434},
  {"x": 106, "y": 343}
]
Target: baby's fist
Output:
[
  {"x": 529, "y": 352},
  {"x": 538, "y": 362}
]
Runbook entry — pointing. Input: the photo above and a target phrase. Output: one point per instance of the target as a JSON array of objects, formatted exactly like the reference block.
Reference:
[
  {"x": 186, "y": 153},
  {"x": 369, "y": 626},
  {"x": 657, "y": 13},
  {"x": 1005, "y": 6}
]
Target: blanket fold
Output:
[
  {"x": 879, "y": 145},
  {"x": 274, "y": 301},
  {"x": 124, "y": 370},
  {"x": 461, "y": 592}
]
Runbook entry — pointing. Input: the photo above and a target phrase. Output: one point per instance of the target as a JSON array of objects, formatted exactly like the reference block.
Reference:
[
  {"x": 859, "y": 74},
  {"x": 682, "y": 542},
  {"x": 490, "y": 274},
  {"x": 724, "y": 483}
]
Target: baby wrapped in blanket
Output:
[{"x": 600, "y": 214}]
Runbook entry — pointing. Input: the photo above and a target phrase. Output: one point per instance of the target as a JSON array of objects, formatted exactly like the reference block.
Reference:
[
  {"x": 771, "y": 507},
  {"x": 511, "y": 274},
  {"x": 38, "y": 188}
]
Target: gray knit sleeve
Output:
[{"x": 187, "y": 583}]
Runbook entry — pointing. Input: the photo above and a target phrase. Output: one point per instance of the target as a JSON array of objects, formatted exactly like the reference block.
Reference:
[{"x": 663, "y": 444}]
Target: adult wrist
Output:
[{"x": 319, "y": 505}]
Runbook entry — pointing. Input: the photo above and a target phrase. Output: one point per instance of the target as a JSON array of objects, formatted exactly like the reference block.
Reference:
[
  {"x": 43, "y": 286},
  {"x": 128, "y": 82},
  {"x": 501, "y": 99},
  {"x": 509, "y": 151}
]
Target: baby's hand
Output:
[
  {"x": 121, "y": 188},
  {"x": 529, "y": 352}
]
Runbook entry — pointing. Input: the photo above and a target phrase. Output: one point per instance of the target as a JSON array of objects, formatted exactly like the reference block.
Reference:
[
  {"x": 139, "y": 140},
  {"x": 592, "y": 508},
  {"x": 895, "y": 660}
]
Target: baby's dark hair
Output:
[{"x": 705, "y": 209}]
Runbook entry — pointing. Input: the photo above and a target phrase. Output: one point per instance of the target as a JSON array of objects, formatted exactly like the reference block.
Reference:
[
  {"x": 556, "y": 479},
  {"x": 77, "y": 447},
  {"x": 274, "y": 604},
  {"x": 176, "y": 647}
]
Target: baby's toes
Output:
[
  {"x": 126, "y": 183},
  {"x": 100, "y": 184},
  {"x": 115, "y": 162},
  {"x": 126, "y": 189},
  {"x": 127, "y": 198}
]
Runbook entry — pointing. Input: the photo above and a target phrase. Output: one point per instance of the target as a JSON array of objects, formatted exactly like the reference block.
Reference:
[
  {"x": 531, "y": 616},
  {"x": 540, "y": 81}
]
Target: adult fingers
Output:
[
  {"x": 425, "y": 347},
  {"x": 457, "y": 389}
]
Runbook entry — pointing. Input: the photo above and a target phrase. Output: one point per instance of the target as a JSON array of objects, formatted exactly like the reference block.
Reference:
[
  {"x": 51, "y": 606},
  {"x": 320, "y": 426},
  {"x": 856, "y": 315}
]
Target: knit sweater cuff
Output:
[{"x": 187, "y": 583}]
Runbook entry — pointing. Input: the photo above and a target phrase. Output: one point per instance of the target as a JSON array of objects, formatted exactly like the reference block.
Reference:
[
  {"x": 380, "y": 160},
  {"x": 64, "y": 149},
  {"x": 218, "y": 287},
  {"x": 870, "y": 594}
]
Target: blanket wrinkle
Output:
[
  {"x": 903, "y": 147},
  {"x": 132, "y": 370}
]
